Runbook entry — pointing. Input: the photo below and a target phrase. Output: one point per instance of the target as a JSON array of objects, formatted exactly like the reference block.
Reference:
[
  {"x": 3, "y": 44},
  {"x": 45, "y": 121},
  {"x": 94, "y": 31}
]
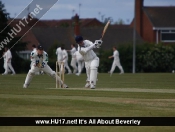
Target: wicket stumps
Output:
[{"x": 60, "y": 73}]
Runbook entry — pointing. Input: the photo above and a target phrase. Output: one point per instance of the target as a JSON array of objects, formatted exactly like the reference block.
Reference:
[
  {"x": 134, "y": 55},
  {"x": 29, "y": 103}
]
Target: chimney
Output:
[
  {"x": 76, "y": 26},
  {"x": 139, "y": 15}
]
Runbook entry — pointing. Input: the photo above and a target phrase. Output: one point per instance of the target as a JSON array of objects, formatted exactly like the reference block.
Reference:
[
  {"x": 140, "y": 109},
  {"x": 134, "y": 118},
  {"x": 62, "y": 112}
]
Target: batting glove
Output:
[
  {"x": 37, "y": 63},
  {"x": 43, "y": 64},
  {"x": 98, "y": 43}
]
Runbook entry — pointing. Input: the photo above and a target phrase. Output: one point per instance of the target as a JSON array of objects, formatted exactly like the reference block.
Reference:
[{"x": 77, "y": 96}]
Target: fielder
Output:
[
  {"x": 39, "y": 63},
  {"x": 7, "y": 62},
  {"x": 80, "y": 61},
  {"x": 73, "y": 60},
  {"x": 59, "y": 54},
  {"x": 85, "y": 48},
  {"x": 116, "y": 61},
  {"x": 65, "y": 60}
]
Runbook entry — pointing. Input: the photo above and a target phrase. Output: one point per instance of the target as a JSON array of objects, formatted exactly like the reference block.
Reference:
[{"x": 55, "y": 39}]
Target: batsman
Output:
[
  {"x": 39, "y": 63},
  {"x": 85, "y": 48}
]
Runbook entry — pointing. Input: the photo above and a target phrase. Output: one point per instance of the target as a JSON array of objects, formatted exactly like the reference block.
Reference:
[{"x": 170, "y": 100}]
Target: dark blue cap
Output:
[
  {"x": 40, "y": 47},
  {"x": 78, "y": 39}
]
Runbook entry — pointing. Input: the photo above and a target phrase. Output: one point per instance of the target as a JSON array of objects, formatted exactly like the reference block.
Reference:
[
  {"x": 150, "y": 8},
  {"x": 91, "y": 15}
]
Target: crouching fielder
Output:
[
  {"x": 39, "y": 63},
  {"x": 85, "y": 48}
]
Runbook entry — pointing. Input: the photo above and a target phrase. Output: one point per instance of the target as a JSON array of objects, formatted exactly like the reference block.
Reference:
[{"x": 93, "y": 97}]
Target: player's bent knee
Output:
[
  {"x": 31, "y": 73},
  {"x": 94, "y": 68},
  {"x": 52, "y": 74}
]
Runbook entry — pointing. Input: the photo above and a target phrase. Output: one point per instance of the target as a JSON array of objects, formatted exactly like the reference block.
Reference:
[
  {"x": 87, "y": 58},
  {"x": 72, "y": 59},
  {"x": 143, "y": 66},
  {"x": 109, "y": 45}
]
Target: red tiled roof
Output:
[
  {"x": 30, "y": 39},
  {"x": 90, "y": 22},
  {"x": 56, "y": 23},
  {"x": 25, "y": 33},
  {"x": 161, "y": 16}
]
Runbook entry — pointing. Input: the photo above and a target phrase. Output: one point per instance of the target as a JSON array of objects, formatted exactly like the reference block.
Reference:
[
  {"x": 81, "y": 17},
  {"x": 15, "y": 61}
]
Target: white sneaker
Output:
[
  {"x": 69, "y": 73},
  {"x": 13, "y": 73},
  {"x": 78, "y": 74},
  {"x": 65, "y": 86},
  {"x": 92, "y": 86},
  {"x": 110, "y": 73},
  {"x": 121, "y": 73},
  {"x": 25, "y": 85},
  {"x": 4, "y": 74},
  {"x": 87, "y": 85}
]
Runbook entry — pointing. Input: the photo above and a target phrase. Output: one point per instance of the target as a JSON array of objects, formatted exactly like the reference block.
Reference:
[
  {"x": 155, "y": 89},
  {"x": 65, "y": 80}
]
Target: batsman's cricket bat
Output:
[{"x": 104, "y": 30}]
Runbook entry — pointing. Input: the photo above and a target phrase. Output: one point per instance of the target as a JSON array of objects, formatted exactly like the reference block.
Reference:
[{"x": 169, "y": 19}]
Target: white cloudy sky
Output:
[{"x": 63, "y": 9}]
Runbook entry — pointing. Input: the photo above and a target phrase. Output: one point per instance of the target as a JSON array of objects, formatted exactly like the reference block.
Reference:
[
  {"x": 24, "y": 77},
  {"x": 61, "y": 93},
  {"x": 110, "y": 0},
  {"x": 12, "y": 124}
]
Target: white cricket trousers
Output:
[
  {"x": 9, "y": 66},
  {"x": 67, "y": 66},
  {"x": 80, "y": 66},
  {"x": 91, "y": 70},
  {"x": 46, "y": 69},
  {"x": 73, "y": 64},
  {"x": 6, "y": 69},
  {"x": 114, "y": 64}
]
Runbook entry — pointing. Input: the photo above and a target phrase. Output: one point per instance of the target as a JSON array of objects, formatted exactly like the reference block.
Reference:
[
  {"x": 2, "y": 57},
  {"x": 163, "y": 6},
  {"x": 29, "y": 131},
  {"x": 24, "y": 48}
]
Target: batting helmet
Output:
[{"x": 78, "y": 39}]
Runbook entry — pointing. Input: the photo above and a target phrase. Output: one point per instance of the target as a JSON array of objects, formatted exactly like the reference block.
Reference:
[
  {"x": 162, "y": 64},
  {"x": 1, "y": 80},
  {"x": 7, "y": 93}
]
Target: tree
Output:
[
  {"x": 4, "y": 36},
  {"x": 119, "y": 22},
  {"x": 108, "y": 19}
]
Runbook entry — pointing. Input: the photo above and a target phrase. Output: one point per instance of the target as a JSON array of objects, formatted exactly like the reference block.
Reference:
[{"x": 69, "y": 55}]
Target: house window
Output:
[{"x": 168, "y": 35}]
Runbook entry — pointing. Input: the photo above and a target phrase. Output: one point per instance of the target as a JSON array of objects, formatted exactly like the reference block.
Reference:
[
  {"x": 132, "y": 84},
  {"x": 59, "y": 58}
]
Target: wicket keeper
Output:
[{"x": 39, "y": 63}]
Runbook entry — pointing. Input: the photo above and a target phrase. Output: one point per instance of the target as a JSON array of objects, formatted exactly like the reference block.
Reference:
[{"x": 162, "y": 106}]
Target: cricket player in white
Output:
[
  {"x": 59, "y": 53},
  {"x": 73, "y": 60},
  {"x": 116, "y": 61},
  {"x": 80, "y": 61},
  {"x": 5, "y": 64},
  {"x": 65, "y": 60},
  {"x": 39, "y": 63},
  {"x": 85, "y": 48},
  {"x": 8, "y": 58}
]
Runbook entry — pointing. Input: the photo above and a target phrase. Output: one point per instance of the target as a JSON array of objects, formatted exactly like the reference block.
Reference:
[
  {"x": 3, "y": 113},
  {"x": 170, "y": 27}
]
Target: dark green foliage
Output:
[
  {"x": 125, "y": 55},
  {"x": 105, "y": 63},
  {"x": 149, "y": 57},
  {"x": 156, "y": 58},
  {"x": 14, "y": 45},
  {"x": 64, "y": 25}
]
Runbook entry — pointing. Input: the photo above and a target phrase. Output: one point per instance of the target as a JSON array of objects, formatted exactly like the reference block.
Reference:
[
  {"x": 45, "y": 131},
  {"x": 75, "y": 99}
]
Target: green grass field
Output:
[{"x": 127, "y": 95}]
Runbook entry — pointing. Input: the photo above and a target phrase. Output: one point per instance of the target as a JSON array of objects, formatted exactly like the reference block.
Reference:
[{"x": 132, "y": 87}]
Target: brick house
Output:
[{"x": 155, "y": 24}]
